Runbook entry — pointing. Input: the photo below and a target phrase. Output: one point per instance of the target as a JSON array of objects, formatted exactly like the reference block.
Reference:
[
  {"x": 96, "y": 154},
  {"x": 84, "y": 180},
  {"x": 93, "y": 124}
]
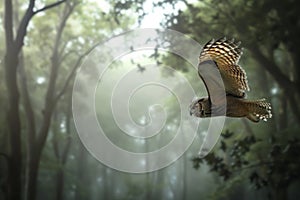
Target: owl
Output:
[{"x": 226, "y": 84}]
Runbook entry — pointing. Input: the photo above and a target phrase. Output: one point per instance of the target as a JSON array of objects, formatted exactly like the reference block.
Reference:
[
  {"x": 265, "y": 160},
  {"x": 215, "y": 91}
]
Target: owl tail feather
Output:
[{"x": 259, "y": 110}]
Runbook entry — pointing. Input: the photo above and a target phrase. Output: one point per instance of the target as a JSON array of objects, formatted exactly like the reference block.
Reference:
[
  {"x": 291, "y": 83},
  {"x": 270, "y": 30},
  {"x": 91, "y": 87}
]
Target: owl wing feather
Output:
[
  {"x": 211, "y": 77},
  {"x": 226, "y": 54},
  {"x": 235, "y": 80}
]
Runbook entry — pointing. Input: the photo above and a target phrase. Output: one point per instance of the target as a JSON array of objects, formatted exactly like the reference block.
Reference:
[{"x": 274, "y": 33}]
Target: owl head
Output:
[{"x": 200, "y": 108}]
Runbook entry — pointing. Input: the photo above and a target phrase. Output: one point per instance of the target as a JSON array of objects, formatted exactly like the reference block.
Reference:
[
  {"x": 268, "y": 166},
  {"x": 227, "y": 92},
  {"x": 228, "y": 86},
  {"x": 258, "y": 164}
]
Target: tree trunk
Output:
[
  {"x": 11, "y": 60},
  {"x": 289, "y": 87},
  {"x": 32, "y": 173},
  {"x": 13, "y": 115},
  {"x": 283, "y": 118},
  {"x": 105, "y": 183},
  {"x": 279, "y": 193},
  {"x": 62, "y": 154},
  {"x": 4, "y": 180},
  {"x": 81, "y": 174},
  {"x": 60, "y": 181},
  {"x": 49, "y": 106},
  {"x": 14, "y": 123}
]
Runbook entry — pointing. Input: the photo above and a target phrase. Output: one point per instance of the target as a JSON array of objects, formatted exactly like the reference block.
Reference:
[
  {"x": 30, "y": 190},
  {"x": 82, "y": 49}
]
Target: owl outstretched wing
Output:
[
  {"x": 226, "y": 54},
  {"x": 210, "y": 75}
]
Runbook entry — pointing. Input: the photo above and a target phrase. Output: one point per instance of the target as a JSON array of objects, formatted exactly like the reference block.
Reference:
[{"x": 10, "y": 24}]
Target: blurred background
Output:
[{"x": 44, "y": 42}]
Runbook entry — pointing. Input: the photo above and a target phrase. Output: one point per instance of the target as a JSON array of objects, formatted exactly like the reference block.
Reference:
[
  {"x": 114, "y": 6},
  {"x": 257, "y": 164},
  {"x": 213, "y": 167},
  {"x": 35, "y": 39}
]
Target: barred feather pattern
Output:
[
  {"x": 238, "y": 75},
  {"x": 223, "y": 52},
  {"x": 261, "y": 109},
  {"x": 226, "y": 54}
]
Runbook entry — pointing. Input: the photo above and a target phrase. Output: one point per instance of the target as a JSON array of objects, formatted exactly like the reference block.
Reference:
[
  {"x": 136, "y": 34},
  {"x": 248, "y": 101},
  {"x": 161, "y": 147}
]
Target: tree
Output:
[
  {"x": 61, "y": 146},
  {"x": 14, "y": 46},
  {"x": 263, "y": 29},
  {"x": 43, "y": 53},
  {"x": 63, "y": 59}
]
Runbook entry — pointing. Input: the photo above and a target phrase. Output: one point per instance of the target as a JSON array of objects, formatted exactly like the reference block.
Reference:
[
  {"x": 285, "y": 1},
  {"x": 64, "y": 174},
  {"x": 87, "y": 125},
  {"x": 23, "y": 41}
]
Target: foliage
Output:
[
  {"x": 263, "y": 29},
  {"x": 266, "y": 154},
  {"x": 278, "y": 168}
]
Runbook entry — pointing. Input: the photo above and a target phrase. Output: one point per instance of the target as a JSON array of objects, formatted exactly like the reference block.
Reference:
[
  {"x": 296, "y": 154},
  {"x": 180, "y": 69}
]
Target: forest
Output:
[{"x": 95, "y": 100}]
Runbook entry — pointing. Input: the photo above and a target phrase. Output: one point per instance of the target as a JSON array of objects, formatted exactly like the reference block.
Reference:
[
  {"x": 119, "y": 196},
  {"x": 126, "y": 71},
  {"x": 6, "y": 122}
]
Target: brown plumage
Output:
[{"x": 220, "y": 58}]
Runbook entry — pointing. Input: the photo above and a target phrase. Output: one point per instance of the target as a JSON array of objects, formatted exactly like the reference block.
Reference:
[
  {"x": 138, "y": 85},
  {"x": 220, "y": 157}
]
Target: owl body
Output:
[
  {"x": 224, "y": 55},
  {"x": 254, "y": 110},
  {"x": 237, "y": 107}
]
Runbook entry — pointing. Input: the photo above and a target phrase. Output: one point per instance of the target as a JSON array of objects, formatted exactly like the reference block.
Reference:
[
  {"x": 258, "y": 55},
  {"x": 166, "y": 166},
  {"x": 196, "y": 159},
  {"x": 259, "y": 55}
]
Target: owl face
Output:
[{"x": 198, "y": 108}]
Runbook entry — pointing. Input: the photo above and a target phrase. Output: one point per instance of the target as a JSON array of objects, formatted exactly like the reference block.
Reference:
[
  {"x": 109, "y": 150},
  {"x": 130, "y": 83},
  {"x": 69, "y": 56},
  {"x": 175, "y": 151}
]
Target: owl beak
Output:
[{"x": 191, "y": 113}]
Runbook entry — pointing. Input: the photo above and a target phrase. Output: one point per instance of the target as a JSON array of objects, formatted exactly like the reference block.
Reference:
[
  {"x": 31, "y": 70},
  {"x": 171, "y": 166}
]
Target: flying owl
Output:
[{"x": 226, "y": 84}]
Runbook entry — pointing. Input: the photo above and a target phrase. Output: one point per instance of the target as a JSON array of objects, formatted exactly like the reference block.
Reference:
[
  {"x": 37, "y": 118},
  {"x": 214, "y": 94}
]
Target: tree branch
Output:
[
  {"x": 55, "y": 140},
  {"x": 50, "y": 94},
  {"x": 259, "y": 164},
  {"x": 272, "y": 68},
  {"x": 27, "y": 106},
  {"x": 294, "y": 105},
  {"x": 67, "y": 12},
  {"x": 66, "y": 55},
  {"x": 288, "y": 86},
  {"x": 69, "y": 78},
  {"x": 22, "y": 30},
  {"x": 68, "y": 130},
  {"x": 64, "y": 46},
  {"x": 49, "y": 6}
]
